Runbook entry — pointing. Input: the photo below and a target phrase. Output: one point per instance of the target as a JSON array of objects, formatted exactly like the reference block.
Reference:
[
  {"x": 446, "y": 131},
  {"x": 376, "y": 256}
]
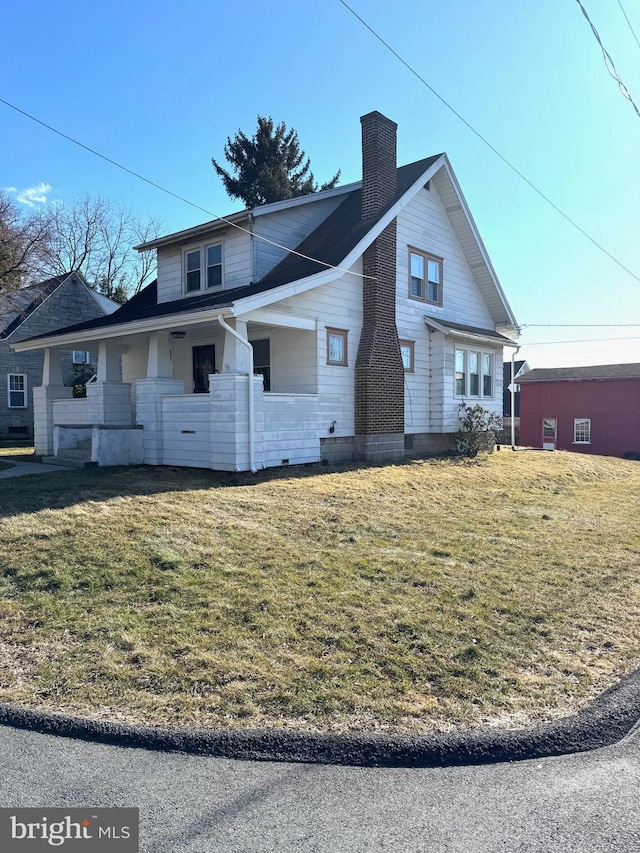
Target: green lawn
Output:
[{"x": 440, "y": 593}]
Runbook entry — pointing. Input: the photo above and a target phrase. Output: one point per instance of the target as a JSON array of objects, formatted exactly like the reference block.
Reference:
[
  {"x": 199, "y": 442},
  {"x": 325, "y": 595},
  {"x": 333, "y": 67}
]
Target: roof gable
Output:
[
  {"x": 17, "y": 305},
  {"x": 326, "y": 253}
]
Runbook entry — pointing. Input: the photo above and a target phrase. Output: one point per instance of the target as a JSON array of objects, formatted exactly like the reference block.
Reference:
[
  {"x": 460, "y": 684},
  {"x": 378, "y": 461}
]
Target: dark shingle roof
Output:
[
  {"x": 569, "y": 374},
  {"x": 330, "y": 243},
  {"x": 340, "y": 232},
  {"x": 17, "y": 305},
  {"x": 472, "y": 330}
]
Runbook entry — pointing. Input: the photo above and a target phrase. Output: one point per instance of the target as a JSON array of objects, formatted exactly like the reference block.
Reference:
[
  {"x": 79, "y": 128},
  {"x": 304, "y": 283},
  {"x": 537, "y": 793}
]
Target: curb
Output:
[{"x": 607, "y": 720}]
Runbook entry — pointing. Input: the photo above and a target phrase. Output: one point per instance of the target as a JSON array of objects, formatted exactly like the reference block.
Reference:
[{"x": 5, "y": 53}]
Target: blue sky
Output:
[{"x": 159, "y": 87}]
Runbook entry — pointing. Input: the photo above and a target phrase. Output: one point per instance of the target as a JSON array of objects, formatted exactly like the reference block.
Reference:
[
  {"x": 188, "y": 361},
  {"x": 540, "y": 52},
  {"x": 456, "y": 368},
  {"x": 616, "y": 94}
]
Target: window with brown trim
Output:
[
  {"x": 425, "y": 276},
  {"x": 337, "y": 347},
  {"x": 406, "y": 351}
]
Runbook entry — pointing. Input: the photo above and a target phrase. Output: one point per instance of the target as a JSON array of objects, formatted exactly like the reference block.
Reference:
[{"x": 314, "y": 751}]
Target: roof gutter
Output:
[{"x": 153, "y": 324}]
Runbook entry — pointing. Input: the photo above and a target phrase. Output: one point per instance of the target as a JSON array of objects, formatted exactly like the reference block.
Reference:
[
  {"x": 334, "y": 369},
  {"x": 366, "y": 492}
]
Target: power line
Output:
[
  {"x": 179, "y": 197},
  {"x": 577, "y": 325},
  {"x": 488, "y": 144},
  {"x": 579, "y": 341},
  {"x": 629, "y": 22},
  {"x": 609, "y": 63}
]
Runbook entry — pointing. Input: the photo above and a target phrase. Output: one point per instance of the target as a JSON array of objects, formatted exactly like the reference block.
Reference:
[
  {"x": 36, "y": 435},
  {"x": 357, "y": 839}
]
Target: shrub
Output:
[{"x": 478, "y": 430}]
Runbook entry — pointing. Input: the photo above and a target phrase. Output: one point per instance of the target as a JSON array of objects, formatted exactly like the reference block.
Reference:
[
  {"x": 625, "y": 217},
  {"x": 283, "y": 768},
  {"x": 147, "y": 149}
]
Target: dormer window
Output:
[{"x": 203, "y": 268}]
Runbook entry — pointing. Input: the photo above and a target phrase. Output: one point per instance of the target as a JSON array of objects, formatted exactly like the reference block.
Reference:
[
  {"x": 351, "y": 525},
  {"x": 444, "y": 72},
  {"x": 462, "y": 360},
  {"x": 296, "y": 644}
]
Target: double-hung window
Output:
[
  {"x": 582, "y": 430},
  {"x": 203, "y": 268},
  {"x": 425, "y": 277},
  {"x": 17, "y": 391},
  {"x": 473, "y": 373}
]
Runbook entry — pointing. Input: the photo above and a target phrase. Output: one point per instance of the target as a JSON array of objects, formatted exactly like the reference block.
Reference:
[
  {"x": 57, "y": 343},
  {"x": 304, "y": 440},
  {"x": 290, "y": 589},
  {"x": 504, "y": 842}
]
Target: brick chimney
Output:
[{"x": 379, "y": 374}]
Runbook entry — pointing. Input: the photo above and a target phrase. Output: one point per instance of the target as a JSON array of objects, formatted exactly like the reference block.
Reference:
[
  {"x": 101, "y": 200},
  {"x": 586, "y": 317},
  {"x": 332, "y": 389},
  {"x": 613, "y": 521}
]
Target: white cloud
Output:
[
  {"x": 34, "y": 195},
  {"x": 10, "y": 189}
]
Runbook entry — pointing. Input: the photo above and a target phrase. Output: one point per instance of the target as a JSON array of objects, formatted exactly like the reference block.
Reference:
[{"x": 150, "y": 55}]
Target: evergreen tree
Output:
[{"x": 269, "y": 166}]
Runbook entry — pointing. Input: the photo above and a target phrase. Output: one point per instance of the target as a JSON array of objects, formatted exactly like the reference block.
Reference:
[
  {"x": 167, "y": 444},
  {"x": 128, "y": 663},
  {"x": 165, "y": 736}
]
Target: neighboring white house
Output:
[{"x": 366, "y": 314}]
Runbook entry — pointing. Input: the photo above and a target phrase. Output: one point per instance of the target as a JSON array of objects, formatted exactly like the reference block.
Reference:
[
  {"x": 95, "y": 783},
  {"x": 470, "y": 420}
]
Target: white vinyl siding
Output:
[
  {"x": 339, "y": 299},
  {"x": 424, "y": 226},
  {"x": 237, "y": 265},
  {"x": 431, "y": 402}
]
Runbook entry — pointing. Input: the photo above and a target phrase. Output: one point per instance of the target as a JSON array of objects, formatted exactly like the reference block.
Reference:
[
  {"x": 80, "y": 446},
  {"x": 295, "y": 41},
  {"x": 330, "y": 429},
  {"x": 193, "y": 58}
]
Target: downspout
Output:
[
  {"x": 227, "y": 328},
  {"x": 513, "y": 397}
]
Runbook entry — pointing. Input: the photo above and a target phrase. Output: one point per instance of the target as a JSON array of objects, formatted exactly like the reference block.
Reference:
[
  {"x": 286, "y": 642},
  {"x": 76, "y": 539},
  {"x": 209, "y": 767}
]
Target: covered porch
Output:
[{"x": 181, "y": 394}]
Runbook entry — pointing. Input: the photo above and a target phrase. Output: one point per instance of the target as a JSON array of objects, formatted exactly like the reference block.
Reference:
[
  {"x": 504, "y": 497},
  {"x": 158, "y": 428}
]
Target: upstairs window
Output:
[
  {"x": 425, "y": 277},
  {"x": 193, "y": 271},
  {"x": 17, "y": 390},
  {"x": 203, "y": 268}
]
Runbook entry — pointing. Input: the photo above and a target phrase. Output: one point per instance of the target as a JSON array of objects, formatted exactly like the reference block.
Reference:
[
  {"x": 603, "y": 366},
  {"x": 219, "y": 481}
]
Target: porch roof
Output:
[{"x": 471, "y": 332}]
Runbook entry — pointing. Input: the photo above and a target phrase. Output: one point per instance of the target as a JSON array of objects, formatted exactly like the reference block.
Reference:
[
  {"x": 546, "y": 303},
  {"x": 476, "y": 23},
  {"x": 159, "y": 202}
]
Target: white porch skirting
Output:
[{"x": 193, "y": 430}]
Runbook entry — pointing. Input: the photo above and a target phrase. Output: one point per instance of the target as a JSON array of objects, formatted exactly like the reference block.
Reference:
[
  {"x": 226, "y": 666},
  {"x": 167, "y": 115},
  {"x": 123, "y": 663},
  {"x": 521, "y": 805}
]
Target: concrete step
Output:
[
  {"x": 85, "y": 444},
  {"x": 70, "y": 458}
]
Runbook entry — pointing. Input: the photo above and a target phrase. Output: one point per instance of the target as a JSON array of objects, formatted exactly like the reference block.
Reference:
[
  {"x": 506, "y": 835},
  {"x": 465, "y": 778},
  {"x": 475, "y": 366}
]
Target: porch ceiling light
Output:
[{"x": 178, "y": 335}]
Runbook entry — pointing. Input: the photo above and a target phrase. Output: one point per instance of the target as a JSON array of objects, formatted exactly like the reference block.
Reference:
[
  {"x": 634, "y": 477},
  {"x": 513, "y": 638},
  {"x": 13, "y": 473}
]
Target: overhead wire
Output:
[
  {"x": 179, "y": 197},
  {"x": 488, "y": 144},
  {"x": 579, "y": 341},
  {"x": 633, "y": 32},
  {"x": 608, "y": 61}
]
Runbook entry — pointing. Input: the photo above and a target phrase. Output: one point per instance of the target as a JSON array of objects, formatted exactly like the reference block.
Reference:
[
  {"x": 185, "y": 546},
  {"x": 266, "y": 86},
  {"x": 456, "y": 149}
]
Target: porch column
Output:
[
  {"x": 109, "y": 398},
  {"x": 235, "y": 356},
  {"x": 159, "y": 360},
  {"x": 229, "y": 391},
  {"x": 52, "y": 388},
  {"x": 149, "y": 394}
]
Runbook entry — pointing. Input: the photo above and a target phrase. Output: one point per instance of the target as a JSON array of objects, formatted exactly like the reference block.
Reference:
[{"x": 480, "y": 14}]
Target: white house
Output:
[{"x": 364, "y": 314}]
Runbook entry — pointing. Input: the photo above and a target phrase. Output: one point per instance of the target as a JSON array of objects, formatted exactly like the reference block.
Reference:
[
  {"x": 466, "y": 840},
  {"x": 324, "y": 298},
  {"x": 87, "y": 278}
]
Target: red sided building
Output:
[{"x": 584, "y": 409}]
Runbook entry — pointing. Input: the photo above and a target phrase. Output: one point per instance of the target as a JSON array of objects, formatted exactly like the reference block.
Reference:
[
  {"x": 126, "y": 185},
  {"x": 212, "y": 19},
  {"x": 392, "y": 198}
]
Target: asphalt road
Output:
[{"x": 582, "y": 803}]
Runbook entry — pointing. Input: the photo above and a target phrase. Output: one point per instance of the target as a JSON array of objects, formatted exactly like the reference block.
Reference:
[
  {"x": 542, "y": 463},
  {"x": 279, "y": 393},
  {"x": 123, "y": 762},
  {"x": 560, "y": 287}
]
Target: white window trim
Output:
[
  {"x": 23, "y": 391},
  {"x": 467, "y": 374},
  {"x": 86, "y": 356},
  {"x": 202, "y": 248},
  {"x": 576, "y": 421}
]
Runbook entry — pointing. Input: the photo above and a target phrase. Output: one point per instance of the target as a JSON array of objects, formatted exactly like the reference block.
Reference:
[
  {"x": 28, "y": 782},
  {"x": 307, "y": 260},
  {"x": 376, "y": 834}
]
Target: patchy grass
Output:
[
  {"x": 439, "y": 593},
  {"x": 21, "y": 451}
]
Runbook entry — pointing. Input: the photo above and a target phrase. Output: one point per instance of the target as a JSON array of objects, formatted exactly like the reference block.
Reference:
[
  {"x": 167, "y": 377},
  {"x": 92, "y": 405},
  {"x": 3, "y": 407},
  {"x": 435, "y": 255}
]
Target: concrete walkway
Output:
[{"x": 21, "y": 469}]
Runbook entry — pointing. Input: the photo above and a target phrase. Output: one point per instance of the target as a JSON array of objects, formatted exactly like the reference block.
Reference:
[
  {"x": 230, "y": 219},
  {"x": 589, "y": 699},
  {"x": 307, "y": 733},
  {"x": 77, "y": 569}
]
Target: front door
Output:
[
  {"x": 549, "y": 433},
  {"x": 204, "y": 360}
]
